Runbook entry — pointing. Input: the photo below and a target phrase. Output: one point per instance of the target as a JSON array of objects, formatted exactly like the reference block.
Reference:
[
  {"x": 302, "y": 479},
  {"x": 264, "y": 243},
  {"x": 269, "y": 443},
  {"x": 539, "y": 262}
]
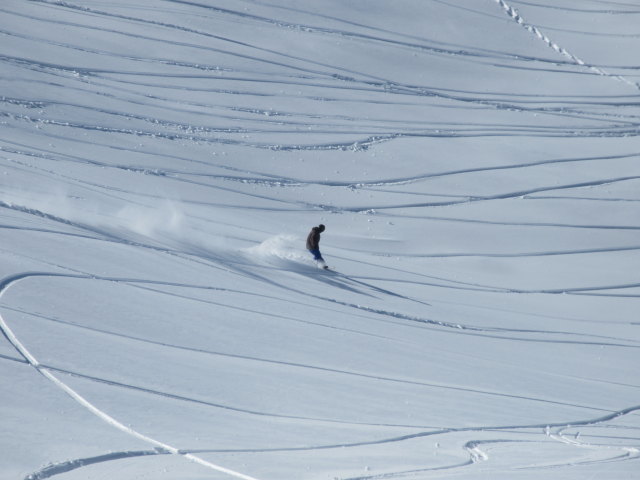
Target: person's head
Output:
[{"x": 321, "y": 228}]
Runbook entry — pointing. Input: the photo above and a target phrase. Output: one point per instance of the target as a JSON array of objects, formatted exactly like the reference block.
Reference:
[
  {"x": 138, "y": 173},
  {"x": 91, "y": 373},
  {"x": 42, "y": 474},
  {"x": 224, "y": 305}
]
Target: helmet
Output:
[{"x": 321, "y": 228}]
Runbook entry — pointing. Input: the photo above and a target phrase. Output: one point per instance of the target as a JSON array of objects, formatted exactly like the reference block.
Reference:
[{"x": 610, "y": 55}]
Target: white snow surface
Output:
[{"x": 476, "y": 164}]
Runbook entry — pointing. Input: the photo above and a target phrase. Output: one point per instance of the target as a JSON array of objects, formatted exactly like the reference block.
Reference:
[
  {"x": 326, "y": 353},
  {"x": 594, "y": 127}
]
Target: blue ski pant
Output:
[{"x": 316, "y": 254}]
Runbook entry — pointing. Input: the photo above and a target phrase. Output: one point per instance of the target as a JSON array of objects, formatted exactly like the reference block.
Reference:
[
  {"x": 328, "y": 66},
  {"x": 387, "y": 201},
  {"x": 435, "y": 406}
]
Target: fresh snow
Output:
[{"x": 477, "y": 166}]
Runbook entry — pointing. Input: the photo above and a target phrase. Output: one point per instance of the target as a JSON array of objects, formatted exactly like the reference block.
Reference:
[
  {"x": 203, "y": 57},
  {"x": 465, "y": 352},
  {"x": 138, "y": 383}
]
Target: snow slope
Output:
[{"x": 477, "y": 165}]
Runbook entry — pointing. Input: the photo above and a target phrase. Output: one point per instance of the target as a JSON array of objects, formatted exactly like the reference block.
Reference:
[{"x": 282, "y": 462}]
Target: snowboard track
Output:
[
  {"x": 472, "y": 447},
  {"x": 5, "y": 284}
]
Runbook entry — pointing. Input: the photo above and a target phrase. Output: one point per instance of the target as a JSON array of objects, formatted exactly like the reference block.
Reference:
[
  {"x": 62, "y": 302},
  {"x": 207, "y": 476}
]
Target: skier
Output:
[{"x": 313, "y": 245}]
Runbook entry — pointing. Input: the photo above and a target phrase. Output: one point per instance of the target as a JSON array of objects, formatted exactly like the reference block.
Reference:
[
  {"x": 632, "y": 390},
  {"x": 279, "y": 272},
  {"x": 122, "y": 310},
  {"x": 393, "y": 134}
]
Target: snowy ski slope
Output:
[{"x": 476, "y": 163}]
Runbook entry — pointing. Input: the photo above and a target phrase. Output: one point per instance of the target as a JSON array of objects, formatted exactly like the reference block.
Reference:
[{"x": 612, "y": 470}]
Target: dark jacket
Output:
[{"x": 313, "y": 239}]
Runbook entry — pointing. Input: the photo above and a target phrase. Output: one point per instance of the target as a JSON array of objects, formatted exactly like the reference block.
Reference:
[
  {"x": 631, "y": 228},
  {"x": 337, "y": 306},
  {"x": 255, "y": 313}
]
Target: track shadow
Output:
[{"x": 328, "y": 277}]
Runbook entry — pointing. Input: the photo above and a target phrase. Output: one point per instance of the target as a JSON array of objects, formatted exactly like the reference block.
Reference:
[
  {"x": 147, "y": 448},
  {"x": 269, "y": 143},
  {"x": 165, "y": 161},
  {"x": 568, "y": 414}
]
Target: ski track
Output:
[
  {"x": 342, "y": 281},
  {"x": 5, "y": 284},
  {"x": 64, "y": 467},
  {"x": 124, "y": 92},
  {"x": 610, "y": 10},
  {"x": 274, "y": 362},
  {"x": 262, "y": 179},
  {"x": 513, "y": 13},
  {"x": 162, "y": 448},
  {"x": 339, "y": 281},
  {"x": 358, "y": 81},
  {"x": 47, "y": 371}
]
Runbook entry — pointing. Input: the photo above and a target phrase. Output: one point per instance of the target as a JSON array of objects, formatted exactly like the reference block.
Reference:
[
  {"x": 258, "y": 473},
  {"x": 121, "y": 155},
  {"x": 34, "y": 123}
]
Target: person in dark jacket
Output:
[{"x": 313, "y": 245}]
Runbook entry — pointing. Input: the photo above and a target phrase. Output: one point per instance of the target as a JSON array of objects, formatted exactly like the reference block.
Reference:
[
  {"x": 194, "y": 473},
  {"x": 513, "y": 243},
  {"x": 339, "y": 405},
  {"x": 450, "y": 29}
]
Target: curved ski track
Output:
[{"x": 47, "y": 373}]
